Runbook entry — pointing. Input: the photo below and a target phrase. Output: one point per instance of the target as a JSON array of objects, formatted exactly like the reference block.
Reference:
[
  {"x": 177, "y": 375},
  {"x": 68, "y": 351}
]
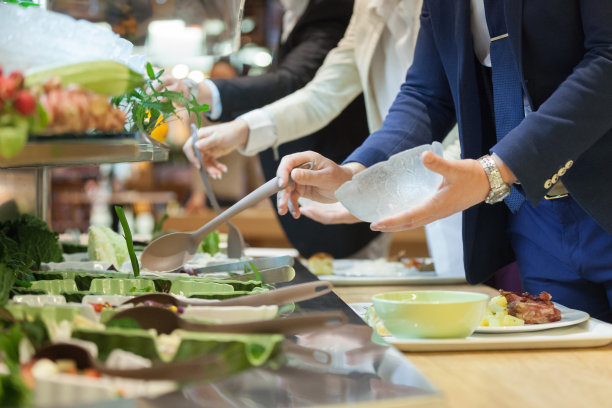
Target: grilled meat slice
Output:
[{"x": 532, "y": 309}]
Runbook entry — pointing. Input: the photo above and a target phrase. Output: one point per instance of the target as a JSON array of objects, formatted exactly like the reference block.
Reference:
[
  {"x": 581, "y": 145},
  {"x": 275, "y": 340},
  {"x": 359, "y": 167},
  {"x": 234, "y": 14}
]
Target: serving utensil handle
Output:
[
  {"x": 281, "y": 325},
  {"x": 288, "y": 294},
  {"x": 257, "y": 195}
]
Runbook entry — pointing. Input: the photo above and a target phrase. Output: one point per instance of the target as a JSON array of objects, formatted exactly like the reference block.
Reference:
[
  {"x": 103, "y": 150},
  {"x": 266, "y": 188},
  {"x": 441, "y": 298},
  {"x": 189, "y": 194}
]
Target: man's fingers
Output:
[
  {"x": 436, "y": 163},
  {"x": 294, "y": 206},
  {"x": 282, "y": 201},
  {"x": 288, "y": 162},
  {"x": 189, "y": 153}
]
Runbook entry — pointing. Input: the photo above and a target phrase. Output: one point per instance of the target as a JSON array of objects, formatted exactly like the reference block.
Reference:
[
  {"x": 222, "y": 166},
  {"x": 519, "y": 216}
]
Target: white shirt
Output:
[
  {"x": 293, "y": 11},
  {"x": 480, "y": 32},
  {"x": 388, "y": 66},
  {"x": 388, "y": 70},
  {"x": 392, "y": 59}
]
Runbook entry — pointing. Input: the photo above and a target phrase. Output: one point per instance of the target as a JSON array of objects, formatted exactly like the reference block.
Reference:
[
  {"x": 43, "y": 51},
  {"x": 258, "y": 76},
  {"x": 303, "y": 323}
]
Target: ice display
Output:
[
  {"x": 32, "y": 37},
  {"x": 390, "y": 187}
]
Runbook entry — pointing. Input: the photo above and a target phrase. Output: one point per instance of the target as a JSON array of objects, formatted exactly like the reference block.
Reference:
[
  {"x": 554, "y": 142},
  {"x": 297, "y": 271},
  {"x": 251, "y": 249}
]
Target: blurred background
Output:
[{"x": 194, "y": 39}]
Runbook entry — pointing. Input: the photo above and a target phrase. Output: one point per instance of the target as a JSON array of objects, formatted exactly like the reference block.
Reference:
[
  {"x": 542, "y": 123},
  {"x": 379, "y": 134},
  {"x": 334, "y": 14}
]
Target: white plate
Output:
[
  {"x": 371, "y": 267},
  {"x": 418, "y": 278},
  {"x": 569, "y": 317},
  {"x": 367, "y": 272},
  {"x": 592, "y": 333}
]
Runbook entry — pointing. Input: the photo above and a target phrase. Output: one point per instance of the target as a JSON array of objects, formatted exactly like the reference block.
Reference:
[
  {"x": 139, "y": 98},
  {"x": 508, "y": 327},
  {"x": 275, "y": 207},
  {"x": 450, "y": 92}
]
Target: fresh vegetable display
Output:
[
  {"x": 107, "y": 246},
  {"x": 107, "y": 78},
  {"x": 32, "y": 237},
  {"x": 74, "y": 109},
  {"x": 20, "y": 114}
]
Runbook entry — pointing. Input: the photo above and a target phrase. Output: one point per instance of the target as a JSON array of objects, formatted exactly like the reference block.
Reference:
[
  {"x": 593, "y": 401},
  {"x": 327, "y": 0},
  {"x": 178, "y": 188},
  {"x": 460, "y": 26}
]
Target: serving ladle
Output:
[
  {"x": 166, "y": 321},
  {"x": 170, "y": 252},
  {"x": 288, "y": 294}
]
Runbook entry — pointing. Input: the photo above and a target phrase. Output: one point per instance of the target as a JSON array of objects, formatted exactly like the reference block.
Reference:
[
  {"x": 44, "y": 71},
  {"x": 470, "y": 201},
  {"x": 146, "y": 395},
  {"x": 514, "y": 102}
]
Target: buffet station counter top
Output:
[{"x": 502, "y": 376}]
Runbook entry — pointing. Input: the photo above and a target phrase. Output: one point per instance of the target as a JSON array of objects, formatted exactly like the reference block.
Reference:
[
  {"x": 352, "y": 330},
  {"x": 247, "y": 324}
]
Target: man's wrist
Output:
[
  {"x": 506, "y": 174},
  {"x": 498, "y": 188},
  {"x": 352, "y": 168}
]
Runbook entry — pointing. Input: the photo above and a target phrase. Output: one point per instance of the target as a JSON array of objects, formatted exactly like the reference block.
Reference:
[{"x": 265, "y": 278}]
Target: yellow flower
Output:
[{"x": 160, "y": 132}]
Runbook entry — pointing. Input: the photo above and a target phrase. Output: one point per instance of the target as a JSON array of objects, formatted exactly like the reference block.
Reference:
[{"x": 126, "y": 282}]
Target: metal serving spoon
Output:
[
  {"x": 166, "y": 321},
  {"x": 171, "y": 251},
  {"x": 235, "y": 241},
  {"x": 288, "y": 294}
]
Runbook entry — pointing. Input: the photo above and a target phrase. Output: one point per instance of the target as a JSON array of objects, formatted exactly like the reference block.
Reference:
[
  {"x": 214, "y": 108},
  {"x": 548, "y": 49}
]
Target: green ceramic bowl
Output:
[{"x": 430, "y": 313}]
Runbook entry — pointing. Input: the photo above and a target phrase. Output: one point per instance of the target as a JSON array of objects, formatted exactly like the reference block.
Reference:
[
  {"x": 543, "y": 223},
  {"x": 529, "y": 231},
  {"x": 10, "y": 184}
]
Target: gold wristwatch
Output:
[{"x": 499, "y": 189}]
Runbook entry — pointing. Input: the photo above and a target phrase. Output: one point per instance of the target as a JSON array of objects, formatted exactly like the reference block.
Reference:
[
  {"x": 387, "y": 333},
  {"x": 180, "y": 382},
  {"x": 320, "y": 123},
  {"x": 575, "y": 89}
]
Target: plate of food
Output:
[
  {"x": 512, "y": 312},
  {"x": 354, "y": 272}
]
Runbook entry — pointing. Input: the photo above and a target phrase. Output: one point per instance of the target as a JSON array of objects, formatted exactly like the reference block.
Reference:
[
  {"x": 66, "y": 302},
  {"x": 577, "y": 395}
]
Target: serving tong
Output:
[{"x": 235, "y": 241}]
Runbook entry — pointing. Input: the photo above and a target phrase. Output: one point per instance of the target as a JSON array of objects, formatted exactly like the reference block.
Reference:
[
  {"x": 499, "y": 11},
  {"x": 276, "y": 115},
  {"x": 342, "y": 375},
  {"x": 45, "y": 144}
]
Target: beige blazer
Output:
[{"x": 343, "y": 76}]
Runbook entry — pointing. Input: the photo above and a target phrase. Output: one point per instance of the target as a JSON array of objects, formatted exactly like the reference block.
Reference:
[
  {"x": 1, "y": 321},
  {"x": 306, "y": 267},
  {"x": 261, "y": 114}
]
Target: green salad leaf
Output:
[
  {"x": 210, "y": 243},
  {"x": 128, "y": 240}
]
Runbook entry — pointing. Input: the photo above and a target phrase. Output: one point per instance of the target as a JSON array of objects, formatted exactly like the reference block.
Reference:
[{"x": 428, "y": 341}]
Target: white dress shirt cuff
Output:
[
  {"x": 262, "y": 132},
  {"x": 216, "y": 108}
]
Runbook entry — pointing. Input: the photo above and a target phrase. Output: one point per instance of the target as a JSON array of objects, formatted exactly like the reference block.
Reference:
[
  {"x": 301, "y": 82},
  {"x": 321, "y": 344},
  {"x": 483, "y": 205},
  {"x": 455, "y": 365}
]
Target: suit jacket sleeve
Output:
[
  {"x": 423, "y": 110},
  {"x": 575, "y": 116},
  {"x": 333, "y": 88},
  {"x": 323, "y": 25}
]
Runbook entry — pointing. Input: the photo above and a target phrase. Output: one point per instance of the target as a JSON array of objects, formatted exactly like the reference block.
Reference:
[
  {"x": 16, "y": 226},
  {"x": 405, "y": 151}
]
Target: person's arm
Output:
[
  {"x": 573, "y": 118},
  {"x": 311, "y": 40},
  {"x": 335, "y": 85},
  {"x": 423, "y": 110}
]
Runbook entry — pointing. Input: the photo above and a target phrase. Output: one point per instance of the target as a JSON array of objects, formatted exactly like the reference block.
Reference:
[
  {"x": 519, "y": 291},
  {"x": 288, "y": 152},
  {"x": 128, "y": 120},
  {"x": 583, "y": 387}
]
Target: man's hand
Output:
[
  {"x": 317, "y": 184},
  {"x": 204, "y": 96},
  {"x": 217, "y": 141},
  {"x": 465, "y": 184}
]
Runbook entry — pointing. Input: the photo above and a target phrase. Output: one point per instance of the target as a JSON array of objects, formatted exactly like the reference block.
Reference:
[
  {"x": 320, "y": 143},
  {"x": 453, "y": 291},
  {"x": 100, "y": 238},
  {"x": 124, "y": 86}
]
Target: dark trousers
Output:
[{"x": 560, "y": 249}]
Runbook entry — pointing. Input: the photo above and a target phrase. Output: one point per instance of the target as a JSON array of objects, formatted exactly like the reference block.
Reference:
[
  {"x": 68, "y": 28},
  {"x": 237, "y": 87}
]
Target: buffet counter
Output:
[{"x": 570, "y": 377}]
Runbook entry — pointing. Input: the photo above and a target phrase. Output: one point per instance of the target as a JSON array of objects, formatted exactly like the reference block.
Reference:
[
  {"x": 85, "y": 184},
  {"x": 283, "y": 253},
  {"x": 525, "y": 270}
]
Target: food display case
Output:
[{"x": 32, "y": 164}]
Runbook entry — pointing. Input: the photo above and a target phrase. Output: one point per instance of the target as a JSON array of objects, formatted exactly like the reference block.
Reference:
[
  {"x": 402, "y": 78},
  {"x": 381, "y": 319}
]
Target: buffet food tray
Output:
[{"x": 349, "y": 367}]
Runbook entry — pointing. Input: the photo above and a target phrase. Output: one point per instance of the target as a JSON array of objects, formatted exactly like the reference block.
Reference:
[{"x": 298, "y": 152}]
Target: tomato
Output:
[
  {"x": 24, "y": 102},
  {"x": 17, "y": 77},
  {"x": 8, "y": 88}
]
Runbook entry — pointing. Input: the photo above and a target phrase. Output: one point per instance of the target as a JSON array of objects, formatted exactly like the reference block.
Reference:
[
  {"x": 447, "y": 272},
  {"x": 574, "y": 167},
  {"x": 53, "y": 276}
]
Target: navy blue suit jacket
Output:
[{"x": 564, "y": 51}]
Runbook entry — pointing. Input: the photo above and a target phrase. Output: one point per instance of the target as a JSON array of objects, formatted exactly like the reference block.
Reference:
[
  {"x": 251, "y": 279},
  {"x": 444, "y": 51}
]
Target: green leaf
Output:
[
  {"x": 159, "y": 224},
  {"x": 124, "y": 323},
  {"x": 255, "y": 271},
  {"x": 210, "y": 243},
  {"x": 150, "y": 71},
  {"x": 128, "y": 240},
  {"x": 36, "y": 332}
]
